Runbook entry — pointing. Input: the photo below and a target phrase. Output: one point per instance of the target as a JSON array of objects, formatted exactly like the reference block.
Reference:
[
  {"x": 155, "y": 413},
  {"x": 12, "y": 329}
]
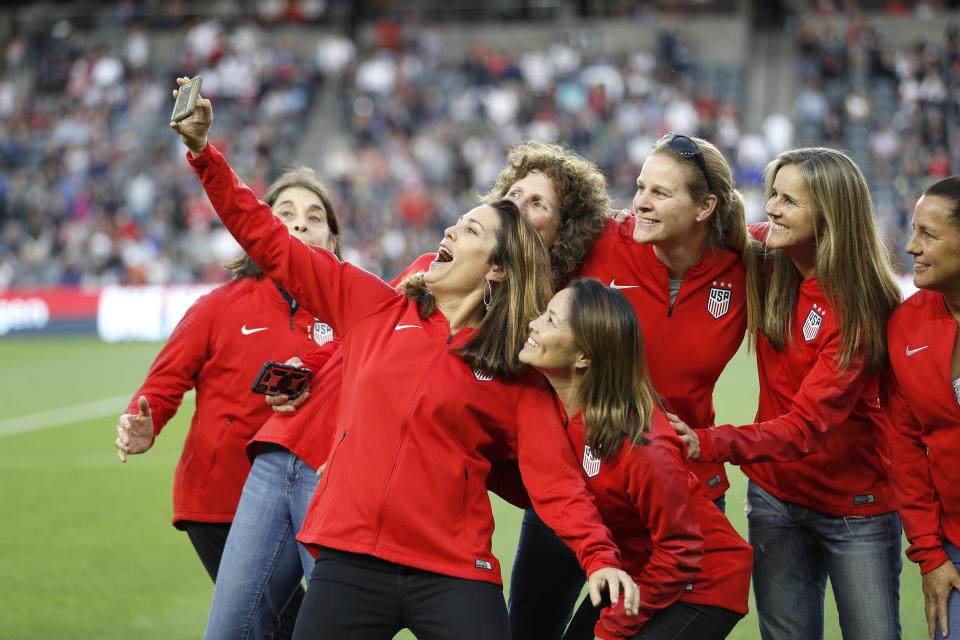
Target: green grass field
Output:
[{"x": 86, "y": 545}]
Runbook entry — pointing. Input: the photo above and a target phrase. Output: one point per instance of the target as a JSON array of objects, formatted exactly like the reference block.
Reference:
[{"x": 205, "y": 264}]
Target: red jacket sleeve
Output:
[
  {"x": 317, "y": 357},
  {"x": 917, "y": 498},
  {"x": 174, "y": 370},
  {"x": 556, "y": 484},
  {"x": 314, "y": 277},
  {"x": 824, "y": 401},
  {"x": 657, "y": 482}
]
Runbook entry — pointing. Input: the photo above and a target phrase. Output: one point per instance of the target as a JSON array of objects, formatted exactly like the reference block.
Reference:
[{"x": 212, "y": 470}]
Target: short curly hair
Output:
[{"x": 581, "y": 192}]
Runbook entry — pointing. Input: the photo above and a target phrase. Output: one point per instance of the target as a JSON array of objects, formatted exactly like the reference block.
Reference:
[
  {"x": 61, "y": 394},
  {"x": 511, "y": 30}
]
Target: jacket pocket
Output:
[{"x": 324, "y": 469}]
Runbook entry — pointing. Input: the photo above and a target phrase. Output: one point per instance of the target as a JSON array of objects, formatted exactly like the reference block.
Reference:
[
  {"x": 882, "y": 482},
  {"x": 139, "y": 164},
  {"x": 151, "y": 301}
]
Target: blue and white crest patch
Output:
[
  {"x": 482, "y": 377},
  {"x": 718, "y": 302},
  {"x": 322, "y": 332},
  {"x": 591, "y": 464},
  {"x": 811, "y": 325}
]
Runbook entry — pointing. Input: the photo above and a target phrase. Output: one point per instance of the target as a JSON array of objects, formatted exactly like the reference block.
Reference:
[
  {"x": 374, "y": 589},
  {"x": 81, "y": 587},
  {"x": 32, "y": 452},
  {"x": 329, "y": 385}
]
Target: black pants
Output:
[
  {"x": 545, "y": 583},
  {"x": 365, "y": 598},
  {"x": 679, "y": 621},
  {"x": 208, "y": 539}
]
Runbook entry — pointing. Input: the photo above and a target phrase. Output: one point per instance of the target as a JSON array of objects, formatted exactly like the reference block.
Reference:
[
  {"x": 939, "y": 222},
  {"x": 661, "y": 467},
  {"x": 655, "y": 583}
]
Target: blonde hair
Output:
[
  {"x": 581, "y": 193},
  {"x": 616, "y": 390},
  {"x": 727, "y": 227},
  {"x": 518, "y": 299},
  {"x": 293, "y": 176},
  {"x": 852, "y": 264}
]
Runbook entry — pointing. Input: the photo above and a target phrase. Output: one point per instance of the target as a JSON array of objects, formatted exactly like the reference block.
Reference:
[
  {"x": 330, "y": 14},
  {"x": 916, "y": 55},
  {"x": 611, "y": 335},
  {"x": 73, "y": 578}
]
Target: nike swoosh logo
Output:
[
  {"x": 910, "y": 351},
  {"x": 247, "y": 332},
  {"x": 406, "y": 326},
  {"x": 614, "y": 285}
]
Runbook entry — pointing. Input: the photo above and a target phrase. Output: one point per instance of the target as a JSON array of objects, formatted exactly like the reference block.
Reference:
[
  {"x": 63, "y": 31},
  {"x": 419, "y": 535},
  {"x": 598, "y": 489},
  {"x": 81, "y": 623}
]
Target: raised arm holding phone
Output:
[{"x": 440, "y": 358}]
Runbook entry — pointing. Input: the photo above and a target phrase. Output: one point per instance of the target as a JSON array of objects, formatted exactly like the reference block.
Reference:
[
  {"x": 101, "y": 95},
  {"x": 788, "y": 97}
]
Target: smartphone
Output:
[
  {"x": 275, "y": 378},
  {"x": 187, "y": 96}
]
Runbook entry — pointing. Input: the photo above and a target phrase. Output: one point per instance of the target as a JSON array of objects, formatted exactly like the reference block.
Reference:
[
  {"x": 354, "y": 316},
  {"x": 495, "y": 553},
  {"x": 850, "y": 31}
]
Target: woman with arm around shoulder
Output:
[
  {"x": 829, "y": 292},
  {"x": 921, "y": 392},
  {"x": 432, "y": 395},
  {"x": 692, "y": 569}
]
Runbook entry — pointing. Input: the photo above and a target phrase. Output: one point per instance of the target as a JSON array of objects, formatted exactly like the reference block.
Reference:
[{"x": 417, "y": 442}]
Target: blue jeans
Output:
[
  {"x": 953, "y": 603},
  {"x": 262, "y": 563},
  {"x": 795, "y": 550}
]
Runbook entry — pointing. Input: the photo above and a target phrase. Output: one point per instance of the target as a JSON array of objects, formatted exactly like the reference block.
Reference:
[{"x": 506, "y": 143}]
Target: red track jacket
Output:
[
  {"x": 813, "y": 408},
  {"x": 218, "y": 347},
  {"x": 675, "y": 542},
  {"x": 925, "y": 425},
  {"x": 688, "y": 343},
  {"x": 418, "y": 429}
]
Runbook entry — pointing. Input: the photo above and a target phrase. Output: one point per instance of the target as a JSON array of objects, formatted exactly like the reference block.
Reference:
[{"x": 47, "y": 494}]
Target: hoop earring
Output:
[{"x": 487, "y": 293}]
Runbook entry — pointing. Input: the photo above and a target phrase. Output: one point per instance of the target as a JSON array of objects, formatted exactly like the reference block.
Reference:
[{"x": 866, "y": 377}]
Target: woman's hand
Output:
[
  {"x": 937, "y": 585},
  {"x": 193, "y": 129},
  {"x": 135, "y": 431},
  {"x": 687, "y": 435},
  {"x": 283, "y": 403},
  {"x": 614, "y": 580}
]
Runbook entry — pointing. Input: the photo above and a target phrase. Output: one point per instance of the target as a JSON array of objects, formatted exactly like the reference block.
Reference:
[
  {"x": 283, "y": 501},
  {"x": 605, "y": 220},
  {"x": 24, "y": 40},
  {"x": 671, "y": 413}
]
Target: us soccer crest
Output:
[
  {"x": 322, "y": 332},
  {"x": 811, "y": 325},
  {"x": 481, "y": 376},
  {"x": 591, "y": 464},
  {"x": 718, "y": 300}
]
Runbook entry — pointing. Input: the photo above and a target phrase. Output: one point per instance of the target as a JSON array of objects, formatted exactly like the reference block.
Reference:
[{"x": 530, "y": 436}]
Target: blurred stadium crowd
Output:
[{"x": 94, "y": 188}]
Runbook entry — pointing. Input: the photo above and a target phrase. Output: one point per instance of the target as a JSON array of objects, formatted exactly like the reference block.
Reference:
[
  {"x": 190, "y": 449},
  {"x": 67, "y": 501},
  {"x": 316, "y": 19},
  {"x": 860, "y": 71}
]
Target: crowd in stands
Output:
[
  {"x": 94, "y": 188},
  {"x": 893, "y": 110}
]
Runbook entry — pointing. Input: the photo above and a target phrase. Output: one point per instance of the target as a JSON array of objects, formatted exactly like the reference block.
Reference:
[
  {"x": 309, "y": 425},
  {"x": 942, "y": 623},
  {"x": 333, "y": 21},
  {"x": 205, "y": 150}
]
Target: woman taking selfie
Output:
[
  {"x": 565, "y": 197},
  {"x": 432, "y": 395}
]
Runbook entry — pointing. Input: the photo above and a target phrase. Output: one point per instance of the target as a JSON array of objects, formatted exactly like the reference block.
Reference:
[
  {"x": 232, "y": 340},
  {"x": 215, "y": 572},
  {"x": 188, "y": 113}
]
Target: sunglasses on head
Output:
[{"x": 686, "y": 147}]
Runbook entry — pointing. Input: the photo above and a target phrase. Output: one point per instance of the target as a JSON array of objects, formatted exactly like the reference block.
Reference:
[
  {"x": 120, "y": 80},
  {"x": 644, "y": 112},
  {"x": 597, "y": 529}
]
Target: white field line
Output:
[{"x": 65, "y": 415}]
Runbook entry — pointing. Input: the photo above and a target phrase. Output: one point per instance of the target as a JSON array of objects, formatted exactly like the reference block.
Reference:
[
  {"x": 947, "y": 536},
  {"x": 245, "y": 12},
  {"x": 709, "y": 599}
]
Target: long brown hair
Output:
[
  {"x": 616, "y": 390},
  {"x": 294, "y": 176},
  {"x": 494, "y": 348},
  {"x": 852, "y": 264},
  {"x": 727, "y": 227},
  {"x": 581, "y": 192}
]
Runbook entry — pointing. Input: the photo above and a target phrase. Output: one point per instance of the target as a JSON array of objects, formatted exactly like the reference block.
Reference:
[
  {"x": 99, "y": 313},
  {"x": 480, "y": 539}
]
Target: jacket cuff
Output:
[
  {"x": 601, "y": 632},
  {"x": 205, "y": 158},
  {"x": 932, "y": 559},
  {"x": 600, "y": 560},
  {"x": 708, "y": 452}
]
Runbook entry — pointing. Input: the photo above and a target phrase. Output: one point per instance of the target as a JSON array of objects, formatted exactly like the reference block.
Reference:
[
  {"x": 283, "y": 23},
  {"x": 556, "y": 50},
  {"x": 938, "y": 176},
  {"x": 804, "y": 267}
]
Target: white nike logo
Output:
[
  {"x": 910, "y": 351},
  {"x": 247, "y": 332},
  {"x": 406, "y": 326},
  {"x": 614, "y": 285}
]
